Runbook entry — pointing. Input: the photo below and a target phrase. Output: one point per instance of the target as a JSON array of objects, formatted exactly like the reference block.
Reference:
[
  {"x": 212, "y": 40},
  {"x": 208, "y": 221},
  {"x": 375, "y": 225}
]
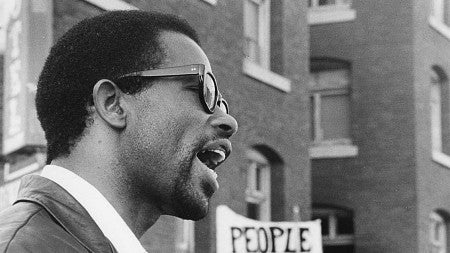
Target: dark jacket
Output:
[{"x": 46, "y": 218}]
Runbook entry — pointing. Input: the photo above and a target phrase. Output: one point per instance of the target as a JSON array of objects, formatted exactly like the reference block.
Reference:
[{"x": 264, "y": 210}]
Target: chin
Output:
[
  {"x": 191, "y": 200},
  {"x": 194, "y": 215},
  {"x": 191, "y": 211},
  {"x": 194, "y": 206}
]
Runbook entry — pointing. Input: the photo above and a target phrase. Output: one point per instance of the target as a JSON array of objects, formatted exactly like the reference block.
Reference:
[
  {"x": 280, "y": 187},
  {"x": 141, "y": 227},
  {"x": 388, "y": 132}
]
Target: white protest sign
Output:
[{"x": 236, "y": 233}]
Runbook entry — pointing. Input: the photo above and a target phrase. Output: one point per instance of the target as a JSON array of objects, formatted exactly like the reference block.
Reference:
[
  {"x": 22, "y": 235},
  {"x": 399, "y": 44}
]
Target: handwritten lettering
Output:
[{"x": 270, "y": 239}]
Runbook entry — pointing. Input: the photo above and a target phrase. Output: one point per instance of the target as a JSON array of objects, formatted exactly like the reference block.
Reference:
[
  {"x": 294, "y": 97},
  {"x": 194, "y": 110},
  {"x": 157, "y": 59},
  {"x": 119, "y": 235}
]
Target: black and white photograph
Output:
[{"x": 222, "y": 126}]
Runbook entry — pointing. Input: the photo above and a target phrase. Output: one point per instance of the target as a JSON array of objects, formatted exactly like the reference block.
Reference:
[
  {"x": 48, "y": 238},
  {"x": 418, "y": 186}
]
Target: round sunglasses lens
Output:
[{"x": 209, "y": 92}]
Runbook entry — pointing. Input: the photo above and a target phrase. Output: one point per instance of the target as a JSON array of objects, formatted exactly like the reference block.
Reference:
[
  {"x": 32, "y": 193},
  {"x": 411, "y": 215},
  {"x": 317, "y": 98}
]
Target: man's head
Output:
[
  {"x": 105, "y": 46},
  {"x": 163, "y": 137}
]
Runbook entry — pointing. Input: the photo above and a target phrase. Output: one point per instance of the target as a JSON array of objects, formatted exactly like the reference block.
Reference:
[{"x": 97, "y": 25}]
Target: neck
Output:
[{"x": 107, "y": 178}]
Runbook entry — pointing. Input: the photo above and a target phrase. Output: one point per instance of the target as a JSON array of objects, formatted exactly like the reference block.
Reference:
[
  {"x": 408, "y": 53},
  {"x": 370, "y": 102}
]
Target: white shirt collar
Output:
[{"x": 101, "y": 211}]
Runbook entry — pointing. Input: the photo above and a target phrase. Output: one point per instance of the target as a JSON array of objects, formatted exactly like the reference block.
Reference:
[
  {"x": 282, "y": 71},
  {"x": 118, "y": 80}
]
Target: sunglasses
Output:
[{"x": 208, "y": 91}]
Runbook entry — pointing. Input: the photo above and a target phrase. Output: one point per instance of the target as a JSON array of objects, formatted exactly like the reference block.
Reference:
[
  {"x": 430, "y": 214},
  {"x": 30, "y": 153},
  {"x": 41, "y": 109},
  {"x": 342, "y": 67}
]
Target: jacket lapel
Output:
[{"x": 66, "y": 210}]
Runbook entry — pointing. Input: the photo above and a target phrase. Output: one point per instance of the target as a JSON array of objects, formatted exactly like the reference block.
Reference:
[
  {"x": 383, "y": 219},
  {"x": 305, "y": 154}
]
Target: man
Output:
[{"x": 135, "y": 126}]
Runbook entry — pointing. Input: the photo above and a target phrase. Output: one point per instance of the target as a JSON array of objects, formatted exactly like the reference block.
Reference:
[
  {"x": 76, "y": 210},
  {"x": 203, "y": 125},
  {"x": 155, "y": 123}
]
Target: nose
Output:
[{"x": 225, "y": 125}]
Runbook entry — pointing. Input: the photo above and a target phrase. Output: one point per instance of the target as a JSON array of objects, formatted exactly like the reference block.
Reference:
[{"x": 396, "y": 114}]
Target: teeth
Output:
[
  {"x": 212, "y": 157},
  {"x": 221, "y": 153}
]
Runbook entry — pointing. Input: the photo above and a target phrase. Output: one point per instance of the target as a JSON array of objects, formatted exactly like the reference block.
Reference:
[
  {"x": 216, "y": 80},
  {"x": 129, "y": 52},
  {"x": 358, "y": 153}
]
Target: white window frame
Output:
[
  {"x": 333, "y": 238},
  {"x": 334, "y": 148},
  {"x": 436, "y": 18},
  {"x": 260, "y": 197},
  {"x": 111, "y": 5},
  {"x": 263, "y": 30},
  {"x": 261, "y": 70},
  {"x": 266, "y": 76},
  {"x": 436, "y": 120},
  {"x": 436, "y": 115},
  {"x": 211, "y": 2},
  {"x": 440, "y": 243},
  {"x": 341, "y": 11},
  {"x": 185, "y": 236},
  {"x": 437, "y": 9}
]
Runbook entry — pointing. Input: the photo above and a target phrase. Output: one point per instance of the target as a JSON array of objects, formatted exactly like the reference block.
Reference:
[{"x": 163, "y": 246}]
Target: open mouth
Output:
[{"x": 212, "y": 157}]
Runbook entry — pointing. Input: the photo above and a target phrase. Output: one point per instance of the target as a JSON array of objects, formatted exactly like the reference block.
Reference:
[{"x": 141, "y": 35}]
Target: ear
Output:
[{"x": 108, "y": 102}]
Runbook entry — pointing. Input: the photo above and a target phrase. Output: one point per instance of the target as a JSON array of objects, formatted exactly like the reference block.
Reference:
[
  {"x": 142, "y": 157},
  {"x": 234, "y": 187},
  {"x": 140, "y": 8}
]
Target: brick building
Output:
[
  {"x": 343, "y": 110},
  {"x": 260, "y": 57},
  {"x": 380, "y": 124}
]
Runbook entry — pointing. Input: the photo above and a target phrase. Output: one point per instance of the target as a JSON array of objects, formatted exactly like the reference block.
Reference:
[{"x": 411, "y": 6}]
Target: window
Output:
[
  {"x": 440, "y": 16},
  {"x": 330, "y": 11},
  {"x": 256, "y": 46},
  {"x": 337, "y": 229},
  {"x": 439, "y": 108},
  {"x": 437, "y": 234},
  {"x": 330, "y": 106},
  {"x": 257, "y": 31},
  {"x": 258, "y": 187},
  {"x": 111, "y": 5},
  {"x": 330, "y": 112}
]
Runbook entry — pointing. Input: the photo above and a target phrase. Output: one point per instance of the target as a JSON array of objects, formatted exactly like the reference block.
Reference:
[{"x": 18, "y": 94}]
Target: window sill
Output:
[
  {"x": 338, "y": 240},
  {"x": 29, "y": 165},
  {"x": 318, "y": 16},
  {"x": 266, "y": 76},
  {"x": 333, "y": 151},
  {"x": 440, "y": 27},
  {"x": 211, "y": 2},
  {"x": 441, "y": 158},
  {"x": 17, "y": 174},
  {"x": 110, "y": 5}
]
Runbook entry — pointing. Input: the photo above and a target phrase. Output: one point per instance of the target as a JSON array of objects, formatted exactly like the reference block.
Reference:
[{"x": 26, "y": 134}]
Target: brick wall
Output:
[
  {"x": 379, "y": 185},
  {"x": 431, "y": 49}
]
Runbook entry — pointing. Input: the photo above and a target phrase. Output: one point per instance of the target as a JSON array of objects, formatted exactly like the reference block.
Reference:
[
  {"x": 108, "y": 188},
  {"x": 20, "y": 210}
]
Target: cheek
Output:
[
  {"x": 156, "y": 140},
  {"x": 166, "y": 130}
]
